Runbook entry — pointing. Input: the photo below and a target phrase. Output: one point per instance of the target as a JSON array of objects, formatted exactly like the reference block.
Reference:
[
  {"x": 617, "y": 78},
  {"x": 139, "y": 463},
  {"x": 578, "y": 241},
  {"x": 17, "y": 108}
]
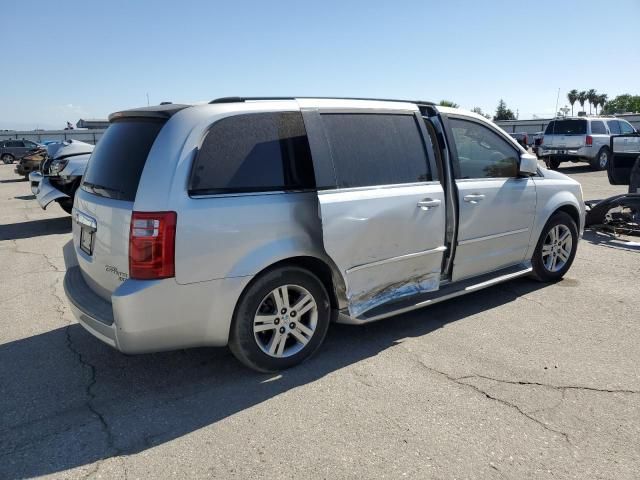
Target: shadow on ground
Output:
[
  {"x": 25, "y": 197},
  {"x": 35, "y": 228},
  {"x": 14, "y": 180},
  {"x": 67, "y": 400},
  {"x": 610, "y": 240}
]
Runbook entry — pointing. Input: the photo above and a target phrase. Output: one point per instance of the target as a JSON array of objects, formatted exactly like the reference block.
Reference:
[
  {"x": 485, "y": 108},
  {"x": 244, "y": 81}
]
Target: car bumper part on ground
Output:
[
  {"x": 44, "y": 191},
  {"x": 156, "y": 315}
]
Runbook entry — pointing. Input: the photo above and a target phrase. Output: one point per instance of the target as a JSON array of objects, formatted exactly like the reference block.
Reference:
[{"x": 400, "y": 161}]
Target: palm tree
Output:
[
  {"x": 596, "y": 102},
  {"x": 591, "y": 96},
  {"x": 602, "y": 99},
  {"x": 448, "y": 103},
  {"x": 572, "y": 96},
  {"x": 582, "y": 97}
]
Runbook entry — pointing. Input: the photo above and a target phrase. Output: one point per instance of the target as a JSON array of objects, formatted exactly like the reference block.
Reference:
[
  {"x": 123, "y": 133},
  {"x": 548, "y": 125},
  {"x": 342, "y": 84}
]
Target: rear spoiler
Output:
[{"x": 162, "y": 112}]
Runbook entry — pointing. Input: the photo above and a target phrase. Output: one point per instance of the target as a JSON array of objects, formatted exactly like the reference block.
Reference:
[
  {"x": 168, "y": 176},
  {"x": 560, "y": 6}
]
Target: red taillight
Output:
[
  {"x": 152, "y": 245},
  {"x": 589, "y": 140}
]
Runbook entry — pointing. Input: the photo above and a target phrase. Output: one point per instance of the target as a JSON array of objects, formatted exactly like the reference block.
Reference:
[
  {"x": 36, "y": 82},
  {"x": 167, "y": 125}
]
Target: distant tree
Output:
[
  {"x": 448, "y": 103},
  {"x": 582, "y": 97},
  {"x": 592, "y": 95},
  {"x": 602, "y": 100},
  {"x": 479, "y": 111},
  {"x": 503, "y": 113},
  {"x": 623, "y": 104},
  {"x": 572, "y": 96}
]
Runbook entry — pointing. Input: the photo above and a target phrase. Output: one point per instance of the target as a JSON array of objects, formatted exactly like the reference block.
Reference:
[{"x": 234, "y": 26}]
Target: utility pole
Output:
[
  {"x": 147, "y": 99},
  {"x": 555, "y": 112}
]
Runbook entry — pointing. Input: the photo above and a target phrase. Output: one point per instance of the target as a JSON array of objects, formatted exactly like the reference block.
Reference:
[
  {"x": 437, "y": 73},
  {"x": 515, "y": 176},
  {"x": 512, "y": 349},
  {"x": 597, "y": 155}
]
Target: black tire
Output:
[
  {"x": 66, "y": 206},
  {"x": 7, "y": 158},
  {"x": 598, "y": 163},
  {"x": 552, "y": 163},
  {"x": 242, "y": 340},
  {"x": 540, "y": 271}
]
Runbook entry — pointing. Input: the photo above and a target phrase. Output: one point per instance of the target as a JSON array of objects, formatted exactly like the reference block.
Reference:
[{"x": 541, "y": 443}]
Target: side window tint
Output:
[
  {"x": 626, "y": 127},
  {"x": 597, "y": 128},
  {"x": 482, "y": 153},
  {"x": 254, "y": 153},
  {"x": 614, "y": 127},
  {"x": 376, "y": 149}
]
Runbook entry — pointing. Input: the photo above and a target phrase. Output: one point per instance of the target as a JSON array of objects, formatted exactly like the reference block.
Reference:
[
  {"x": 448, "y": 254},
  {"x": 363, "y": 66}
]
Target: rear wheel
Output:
[
  {"x": 556, "y": 248},
  {"x": 552, "y": 163},
  {"x": 281, "y": 320},
  {"x": 7, "y": 158},
  {"x": 601, "y": 160}
]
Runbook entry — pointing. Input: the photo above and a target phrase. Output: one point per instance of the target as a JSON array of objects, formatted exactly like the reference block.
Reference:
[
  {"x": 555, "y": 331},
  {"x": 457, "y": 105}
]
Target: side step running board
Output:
[{"x": 429, "y": 298}]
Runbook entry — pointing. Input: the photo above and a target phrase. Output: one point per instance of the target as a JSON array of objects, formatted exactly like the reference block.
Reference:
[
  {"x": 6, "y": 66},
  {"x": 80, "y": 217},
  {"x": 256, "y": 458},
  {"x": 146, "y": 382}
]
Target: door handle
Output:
[
  {"x": 428, "y": 203},
  {"x": 473, "y": 197}
]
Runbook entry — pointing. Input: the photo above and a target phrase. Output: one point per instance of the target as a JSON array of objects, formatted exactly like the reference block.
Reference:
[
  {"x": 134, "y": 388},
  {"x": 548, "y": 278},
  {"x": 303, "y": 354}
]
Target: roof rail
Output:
[{"x": 245, "y": 99}]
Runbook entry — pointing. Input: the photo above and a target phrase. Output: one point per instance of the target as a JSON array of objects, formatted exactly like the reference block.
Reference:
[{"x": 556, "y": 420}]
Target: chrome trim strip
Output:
[
  {"x": 85, "y": 220},
  {"x": 378, "y": 187},
  {"x": 491, "y": 237},
  {"x": 396, "y": 259},
  {"x": 479, "y": 286}
]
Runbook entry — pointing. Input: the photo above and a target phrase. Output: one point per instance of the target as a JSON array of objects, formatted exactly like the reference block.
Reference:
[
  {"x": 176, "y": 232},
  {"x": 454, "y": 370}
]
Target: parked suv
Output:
[
  {"x": 12, "y": 150},
  {"x": 255, "y": 222},
  {"x": 581, "y": 139}
]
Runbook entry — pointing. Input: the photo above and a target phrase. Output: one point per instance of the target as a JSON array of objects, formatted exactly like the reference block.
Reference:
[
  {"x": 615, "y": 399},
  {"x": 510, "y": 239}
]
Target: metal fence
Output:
[{"x": 88, "y": 136}]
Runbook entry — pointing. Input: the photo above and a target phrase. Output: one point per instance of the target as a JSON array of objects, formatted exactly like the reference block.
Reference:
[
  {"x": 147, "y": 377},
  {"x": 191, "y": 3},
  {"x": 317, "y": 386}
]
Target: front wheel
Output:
[
  {"x": 556, "y": 248},
  {"x": 601, "y": 160},
  {"x": 281, "y": 320},
  {"x": 7, "y": 159}
]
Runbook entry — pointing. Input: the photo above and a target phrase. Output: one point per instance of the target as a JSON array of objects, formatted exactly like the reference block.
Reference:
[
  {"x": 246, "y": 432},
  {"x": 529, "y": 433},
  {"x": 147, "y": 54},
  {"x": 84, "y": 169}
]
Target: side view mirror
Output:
[{"x": 528, "y": 164}]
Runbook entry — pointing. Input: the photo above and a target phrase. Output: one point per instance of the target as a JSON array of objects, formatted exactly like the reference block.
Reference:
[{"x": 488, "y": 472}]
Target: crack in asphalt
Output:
[
  {"x": 513, "y": 406},
  {"x": 90, "y": 396},
  {"x": 555, "y": 387}
]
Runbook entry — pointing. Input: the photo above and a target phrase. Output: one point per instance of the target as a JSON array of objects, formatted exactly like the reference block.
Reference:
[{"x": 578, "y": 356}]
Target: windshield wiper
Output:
[{"x": 95, "y": 186}]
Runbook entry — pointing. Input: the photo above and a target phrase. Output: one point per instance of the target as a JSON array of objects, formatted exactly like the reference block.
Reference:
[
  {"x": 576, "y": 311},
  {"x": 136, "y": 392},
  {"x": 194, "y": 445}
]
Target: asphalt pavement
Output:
[{"x": 522, "y": 380}]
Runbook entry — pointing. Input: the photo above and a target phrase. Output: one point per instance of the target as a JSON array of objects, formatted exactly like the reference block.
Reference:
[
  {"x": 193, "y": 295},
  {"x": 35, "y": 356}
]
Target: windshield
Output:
[
  {"x": 116, "y": 164},
  {"x": 566, "y": 127}
]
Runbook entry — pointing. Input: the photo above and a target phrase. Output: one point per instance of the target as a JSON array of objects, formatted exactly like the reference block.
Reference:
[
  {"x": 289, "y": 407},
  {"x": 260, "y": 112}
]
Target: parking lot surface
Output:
[{"x": 522, "y": 380}]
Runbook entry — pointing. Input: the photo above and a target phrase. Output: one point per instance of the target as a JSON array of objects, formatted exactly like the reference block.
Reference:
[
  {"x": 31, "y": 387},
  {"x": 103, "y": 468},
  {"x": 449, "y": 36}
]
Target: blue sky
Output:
[{"x": 66, "y": 60}]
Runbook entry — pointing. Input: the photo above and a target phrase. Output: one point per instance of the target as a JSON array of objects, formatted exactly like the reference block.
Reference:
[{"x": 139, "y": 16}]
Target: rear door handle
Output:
[
  {"x": 428, "y": 203},
  {"x": 473, "y": 197}
]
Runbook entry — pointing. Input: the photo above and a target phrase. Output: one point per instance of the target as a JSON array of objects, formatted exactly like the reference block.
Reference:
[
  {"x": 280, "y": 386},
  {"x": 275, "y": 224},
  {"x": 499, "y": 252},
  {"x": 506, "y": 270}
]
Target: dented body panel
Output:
[{"x": 384, "y": 244}]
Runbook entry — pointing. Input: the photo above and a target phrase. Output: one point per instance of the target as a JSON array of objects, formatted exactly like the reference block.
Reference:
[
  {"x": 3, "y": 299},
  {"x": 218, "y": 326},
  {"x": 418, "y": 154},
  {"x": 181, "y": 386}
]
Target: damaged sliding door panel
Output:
[
  {"x": 381, "y": 205},
  {"x": 385, "y": 245}
]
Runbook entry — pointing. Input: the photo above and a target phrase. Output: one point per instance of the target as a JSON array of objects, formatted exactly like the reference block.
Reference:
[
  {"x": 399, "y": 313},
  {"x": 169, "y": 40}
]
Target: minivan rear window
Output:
[
  {"x": 116, "y": 164},
  {"x": 566, "y": 127}
]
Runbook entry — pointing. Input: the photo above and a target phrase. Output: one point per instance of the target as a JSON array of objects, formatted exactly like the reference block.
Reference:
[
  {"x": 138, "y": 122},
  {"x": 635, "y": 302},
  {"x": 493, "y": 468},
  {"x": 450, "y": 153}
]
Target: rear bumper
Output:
[
  {"x": 568, "y": 154},
  {"x": 156, "y": 315}
]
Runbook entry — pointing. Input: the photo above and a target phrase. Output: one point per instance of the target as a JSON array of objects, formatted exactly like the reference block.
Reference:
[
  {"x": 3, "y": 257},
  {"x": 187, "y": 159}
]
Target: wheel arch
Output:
[{"x": 326, "y": 271}]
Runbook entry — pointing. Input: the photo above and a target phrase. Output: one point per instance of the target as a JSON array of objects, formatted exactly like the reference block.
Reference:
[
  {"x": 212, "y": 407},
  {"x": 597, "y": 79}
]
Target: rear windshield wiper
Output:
[{"x": 94, "y": 187}]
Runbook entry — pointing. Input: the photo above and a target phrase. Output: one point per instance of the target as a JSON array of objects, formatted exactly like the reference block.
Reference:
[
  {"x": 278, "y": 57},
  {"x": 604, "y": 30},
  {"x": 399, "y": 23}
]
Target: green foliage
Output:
[
  {"x": 503, "y": 113},
  {"x": 479, "y": 111},
  {"x": 448, "y": 103},
  {"x": 582, "y": 98},
  {"x": 572, "y": 96},
  {"x": 623, "y": 104}
]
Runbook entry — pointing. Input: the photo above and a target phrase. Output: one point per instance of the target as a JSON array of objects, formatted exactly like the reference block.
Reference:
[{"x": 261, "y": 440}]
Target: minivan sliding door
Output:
[{"x": 382, "y": 207}]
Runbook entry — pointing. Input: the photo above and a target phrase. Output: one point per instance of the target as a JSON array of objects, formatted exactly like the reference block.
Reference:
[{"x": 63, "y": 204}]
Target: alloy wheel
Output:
[
  {"x": 557, "y": 247},
  {"x": 285, "y": 321},
  {"x": 603, "y": 159}
]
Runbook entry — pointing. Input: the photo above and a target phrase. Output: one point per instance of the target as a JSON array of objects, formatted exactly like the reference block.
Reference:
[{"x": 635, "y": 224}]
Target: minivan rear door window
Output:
[{"x": 117, "y": 162}]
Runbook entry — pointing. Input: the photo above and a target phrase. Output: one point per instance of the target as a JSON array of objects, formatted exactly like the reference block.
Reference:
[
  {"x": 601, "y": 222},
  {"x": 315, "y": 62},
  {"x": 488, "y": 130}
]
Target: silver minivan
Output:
[{"x": 254, "y": 223}]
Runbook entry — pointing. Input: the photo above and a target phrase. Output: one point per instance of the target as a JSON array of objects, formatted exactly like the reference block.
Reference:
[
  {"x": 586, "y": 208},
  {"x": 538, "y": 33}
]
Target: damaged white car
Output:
[
  {"x": 60, "y": 174},
  {"x": 255, "y": 222}
]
